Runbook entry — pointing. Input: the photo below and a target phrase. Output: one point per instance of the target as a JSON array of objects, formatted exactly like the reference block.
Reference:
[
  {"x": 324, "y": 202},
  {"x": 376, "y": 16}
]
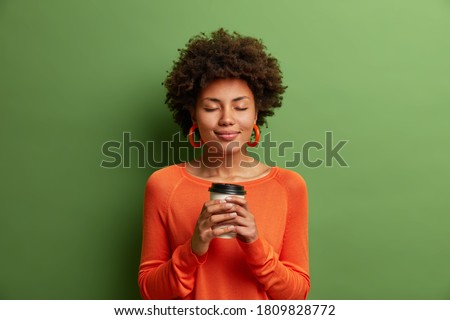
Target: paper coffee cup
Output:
[{"x": 221, "y": 191}]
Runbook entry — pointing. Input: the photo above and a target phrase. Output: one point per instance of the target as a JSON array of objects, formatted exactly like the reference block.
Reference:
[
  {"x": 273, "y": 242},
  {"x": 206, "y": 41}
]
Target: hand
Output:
[
  {"x": 213, "y": 212},
  {"x": 245, "y": 228}
]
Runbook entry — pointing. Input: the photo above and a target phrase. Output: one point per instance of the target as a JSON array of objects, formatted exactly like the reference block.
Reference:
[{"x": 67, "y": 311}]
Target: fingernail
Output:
[
  {"x": 228, "y": 198},
  {"x": 233, "y": 214},
  {"x": 228, "y": 205}
]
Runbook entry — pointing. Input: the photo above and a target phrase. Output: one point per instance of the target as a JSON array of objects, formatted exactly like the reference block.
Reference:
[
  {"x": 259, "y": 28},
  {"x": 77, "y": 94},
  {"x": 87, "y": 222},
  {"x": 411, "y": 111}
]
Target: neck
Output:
[{"x": 228, "y": 165}]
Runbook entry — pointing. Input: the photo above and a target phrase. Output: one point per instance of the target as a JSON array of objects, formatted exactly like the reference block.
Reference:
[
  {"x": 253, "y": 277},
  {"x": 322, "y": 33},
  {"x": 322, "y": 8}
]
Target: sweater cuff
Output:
[
  {"x": 256, "y": 251},
  {"x": 188, "y": 260}
]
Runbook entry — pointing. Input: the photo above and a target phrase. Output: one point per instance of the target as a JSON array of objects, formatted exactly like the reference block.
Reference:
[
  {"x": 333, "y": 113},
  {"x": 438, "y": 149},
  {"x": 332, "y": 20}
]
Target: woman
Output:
[{"x": 222, "y": 88}]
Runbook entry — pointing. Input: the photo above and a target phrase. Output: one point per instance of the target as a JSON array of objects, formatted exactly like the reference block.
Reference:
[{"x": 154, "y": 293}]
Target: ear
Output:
[{"x": 192, "y": 113}]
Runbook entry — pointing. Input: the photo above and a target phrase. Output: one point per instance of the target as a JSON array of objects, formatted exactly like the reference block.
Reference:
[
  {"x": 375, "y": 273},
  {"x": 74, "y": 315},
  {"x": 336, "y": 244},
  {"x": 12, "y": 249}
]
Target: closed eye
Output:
[{"x": 210, "y": 109}]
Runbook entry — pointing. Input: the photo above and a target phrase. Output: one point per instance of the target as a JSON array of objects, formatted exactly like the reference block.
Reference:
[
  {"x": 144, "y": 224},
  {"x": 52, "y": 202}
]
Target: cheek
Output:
[
  {"x": 205, "y": 120},
  {"x": 206, "y": 127},
  {"x": 248, "y": 122},
  {"x": 248, "y": 128}
]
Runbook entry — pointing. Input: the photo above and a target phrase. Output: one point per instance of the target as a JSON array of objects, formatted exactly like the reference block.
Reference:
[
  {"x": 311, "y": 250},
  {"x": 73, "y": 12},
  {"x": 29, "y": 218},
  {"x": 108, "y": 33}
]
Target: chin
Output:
[{"x": 223, "y": 147}]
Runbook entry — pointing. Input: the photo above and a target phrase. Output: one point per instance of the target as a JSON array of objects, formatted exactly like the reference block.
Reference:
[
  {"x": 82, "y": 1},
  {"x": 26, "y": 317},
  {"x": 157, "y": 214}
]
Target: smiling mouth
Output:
[{"x": 227, "y": 135}]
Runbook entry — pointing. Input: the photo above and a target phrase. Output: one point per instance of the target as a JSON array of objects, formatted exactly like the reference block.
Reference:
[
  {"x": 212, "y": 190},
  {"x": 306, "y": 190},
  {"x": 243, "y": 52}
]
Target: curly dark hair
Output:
[{"x": 223, "y": 55}]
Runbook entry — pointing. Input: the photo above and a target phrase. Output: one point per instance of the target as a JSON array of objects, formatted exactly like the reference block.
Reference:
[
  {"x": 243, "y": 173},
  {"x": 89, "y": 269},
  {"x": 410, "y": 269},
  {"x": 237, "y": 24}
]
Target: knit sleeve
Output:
[
  {"x": 285, "y": 275},
  {"x": 163, "y": 274}
]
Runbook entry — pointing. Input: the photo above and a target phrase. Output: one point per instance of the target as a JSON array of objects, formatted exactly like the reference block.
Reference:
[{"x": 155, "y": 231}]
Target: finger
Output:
[
  {"x": 215, "y": 201},
  {"x": 216, "y": 209},
  {"x": 223, "y": 230},
  {"x": 243, "y": 222},
  {"x": 241, "y": 211},
  {"x": 210, "y": 203},
  {"x": 220, "y": 218},
  {"x": 237, "y": 200}
]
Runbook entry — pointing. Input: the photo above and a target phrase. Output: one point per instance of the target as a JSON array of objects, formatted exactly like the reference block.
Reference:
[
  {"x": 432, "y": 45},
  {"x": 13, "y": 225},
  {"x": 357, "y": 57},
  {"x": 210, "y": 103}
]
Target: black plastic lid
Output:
[{"x": 227, "y": 188}]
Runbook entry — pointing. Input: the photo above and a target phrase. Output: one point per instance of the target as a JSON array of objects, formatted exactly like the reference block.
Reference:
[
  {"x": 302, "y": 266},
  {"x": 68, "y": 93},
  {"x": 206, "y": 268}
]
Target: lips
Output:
[{"x": 227, "y": 135}]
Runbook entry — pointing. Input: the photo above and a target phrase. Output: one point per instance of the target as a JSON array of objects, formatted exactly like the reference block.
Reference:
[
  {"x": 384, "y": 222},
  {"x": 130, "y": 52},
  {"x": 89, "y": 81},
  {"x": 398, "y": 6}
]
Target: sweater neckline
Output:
[{"x": 272, "y": 173}]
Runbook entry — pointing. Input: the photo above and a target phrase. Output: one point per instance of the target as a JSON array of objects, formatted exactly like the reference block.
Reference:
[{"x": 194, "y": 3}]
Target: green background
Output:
[{"x": 75, "y": 74}]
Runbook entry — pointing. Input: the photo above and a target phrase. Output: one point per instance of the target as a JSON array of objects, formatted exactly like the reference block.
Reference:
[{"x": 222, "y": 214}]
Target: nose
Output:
[{"x": 227, "y": 117}]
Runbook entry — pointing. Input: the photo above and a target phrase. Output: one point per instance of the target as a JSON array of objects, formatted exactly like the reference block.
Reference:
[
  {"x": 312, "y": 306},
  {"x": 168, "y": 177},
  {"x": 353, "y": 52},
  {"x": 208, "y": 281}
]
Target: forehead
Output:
[{"x": 225, "y": 89}]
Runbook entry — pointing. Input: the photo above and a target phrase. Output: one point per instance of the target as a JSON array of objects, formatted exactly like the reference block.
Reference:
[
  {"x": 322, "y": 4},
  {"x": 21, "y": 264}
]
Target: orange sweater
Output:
[{"x": 273, "y": 267}]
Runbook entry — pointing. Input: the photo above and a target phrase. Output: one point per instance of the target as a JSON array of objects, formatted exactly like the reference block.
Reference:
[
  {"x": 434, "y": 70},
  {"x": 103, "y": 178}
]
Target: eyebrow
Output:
[{"x": 218, "y": 100}]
